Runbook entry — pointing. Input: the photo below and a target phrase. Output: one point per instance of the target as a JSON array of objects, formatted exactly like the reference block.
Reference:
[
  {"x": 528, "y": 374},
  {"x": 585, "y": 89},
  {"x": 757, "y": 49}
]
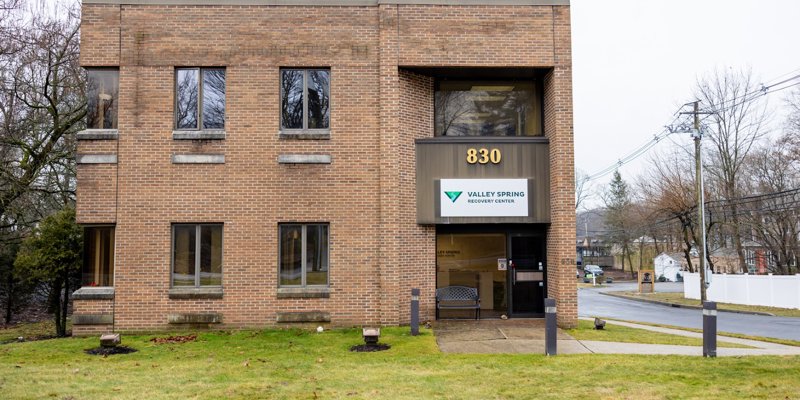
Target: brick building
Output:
[{"x": 256, "y": 163}]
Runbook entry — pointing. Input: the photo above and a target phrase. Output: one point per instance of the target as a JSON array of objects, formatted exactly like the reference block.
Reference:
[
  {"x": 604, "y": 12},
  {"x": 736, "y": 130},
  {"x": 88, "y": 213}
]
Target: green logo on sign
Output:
[{"x": 453, "y": 195}]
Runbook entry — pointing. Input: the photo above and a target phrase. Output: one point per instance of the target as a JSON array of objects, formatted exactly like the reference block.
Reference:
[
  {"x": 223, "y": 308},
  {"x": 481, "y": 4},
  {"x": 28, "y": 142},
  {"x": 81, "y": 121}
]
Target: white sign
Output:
[{"x": 484, "y": 197}]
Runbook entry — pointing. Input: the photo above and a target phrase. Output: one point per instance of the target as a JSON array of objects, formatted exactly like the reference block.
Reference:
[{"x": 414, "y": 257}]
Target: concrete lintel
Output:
[
  {"x": 190, "y": 318},
  {"x": 92, "y": 319},
  {"x": 180, "y": 293},
  {"x": 198, "y": 158},
  {"x": 93, "y": 293},
  {"x": 353, "y": 3},
  {"x": 199, "y": 135},
  {"x": 304, "y": 159},
  {"x": 98, "y": 134},
  {"x": 304, "y": 293},
  {"x": 96, "y": 158},
  {"x": 304, "y": 316}
]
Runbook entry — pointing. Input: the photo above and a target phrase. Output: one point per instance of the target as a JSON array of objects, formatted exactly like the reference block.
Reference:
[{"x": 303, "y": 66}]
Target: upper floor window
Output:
[
  {"x": 197, "y": 255},
  {"x": 305, "y": 98},
  {"x": 199, "y": 98},
  {"x": 98, "y": 256},
  {"x": 303, "y": 259},
  {"x": 102, "y": 95},
  {"x": 487, "y": 108}
]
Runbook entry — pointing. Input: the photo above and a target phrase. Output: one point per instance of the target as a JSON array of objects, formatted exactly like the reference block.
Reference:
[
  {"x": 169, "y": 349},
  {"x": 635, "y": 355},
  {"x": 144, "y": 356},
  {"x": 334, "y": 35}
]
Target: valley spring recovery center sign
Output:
[{"x": 484, "y": 197}]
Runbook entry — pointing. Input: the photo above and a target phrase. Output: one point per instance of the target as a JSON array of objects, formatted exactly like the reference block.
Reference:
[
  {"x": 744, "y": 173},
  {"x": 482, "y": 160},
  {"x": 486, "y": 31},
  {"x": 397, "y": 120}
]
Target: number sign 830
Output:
[{"x": 483, "y": 156}]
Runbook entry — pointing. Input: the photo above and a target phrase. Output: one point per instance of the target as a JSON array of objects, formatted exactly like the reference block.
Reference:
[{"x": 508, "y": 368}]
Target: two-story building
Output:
[{"x": 254, "y": 163}]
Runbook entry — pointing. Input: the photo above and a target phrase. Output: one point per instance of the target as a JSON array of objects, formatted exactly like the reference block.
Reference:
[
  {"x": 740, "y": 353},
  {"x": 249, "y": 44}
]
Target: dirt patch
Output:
[
  {"x": 107, "y": 351},
  {"x": 368, "y": 348},
  {"x": 174, "y": 339}
]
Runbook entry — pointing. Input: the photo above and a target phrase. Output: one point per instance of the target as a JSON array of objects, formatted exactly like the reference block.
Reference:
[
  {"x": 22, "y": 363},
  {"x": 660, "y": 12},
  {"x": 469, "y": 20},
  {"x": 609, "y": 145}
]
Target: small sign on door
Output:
[{"x": 502, "y": 264}]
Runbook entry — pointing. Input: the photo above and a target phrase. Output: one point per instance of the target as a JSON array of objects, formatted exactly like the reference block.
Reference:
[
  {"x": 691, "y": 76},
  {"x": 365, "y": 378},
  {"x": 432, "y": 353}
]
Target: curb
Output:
[{"x": 676, "y": 305}]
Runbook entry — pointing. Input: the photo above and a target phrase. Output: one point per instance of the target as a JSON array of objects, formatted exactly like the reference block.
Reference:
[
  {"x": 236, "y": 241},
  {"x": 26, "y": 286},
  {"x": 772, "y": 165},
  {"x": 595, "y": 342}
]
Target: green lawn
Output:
[
  {"x": 677, "y": 298},
  {"x": 304, "y": 365},
  {"x": 619, "y": 333}
]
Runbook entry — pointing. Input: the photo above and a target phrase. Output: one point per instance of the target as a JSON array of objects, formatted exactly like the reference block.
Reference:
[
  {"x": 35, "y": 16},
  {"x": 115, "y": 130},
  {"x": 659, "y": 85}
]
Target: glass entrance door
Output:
[
  {"x": 527, "y": 273},
  {"x": 471, "y": 260}
]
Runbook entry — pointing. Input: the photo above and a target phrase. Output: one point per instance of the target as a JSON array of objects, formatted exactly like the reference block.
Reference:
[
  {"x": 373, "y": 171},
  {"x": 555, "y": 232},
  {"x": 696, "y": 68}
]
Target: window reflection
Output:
[
  {"x": 305, "y": 99},
  {"x": 292, "y": 99},
  {"x": 102, "y": 92},
  {"x": 183, "y": 255},
  {"x": 197, "y": 255},
  {"x": 186, "y": 92},
  {"x": 318, "y": 84},
  {"x": 291, "y": 254},
  {"x": 213, "y": 99},
  {"x": 475, "y": 108}
]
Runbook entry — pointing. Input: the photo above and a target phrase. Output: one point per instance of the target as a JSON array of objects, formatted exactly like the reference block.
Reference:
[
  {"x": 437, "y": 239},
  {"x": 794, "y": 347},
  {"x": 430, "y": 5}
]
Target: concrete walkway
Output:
[{"x": 526, "y": 336}]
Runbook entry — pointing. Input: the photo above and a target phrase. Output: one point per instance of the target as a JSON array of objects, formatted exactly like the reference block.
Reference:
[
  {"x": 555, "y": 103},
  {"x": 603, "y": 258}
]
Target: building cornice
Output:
[{"x": 352, "y": 3}]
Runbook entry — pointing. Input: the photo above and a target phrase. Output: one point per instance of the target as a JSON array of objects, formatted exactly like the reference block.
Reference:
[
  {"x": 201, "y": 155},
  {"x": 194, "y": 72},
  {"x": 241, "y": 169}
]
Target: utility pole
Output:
[{"x": 701, "y": 209}]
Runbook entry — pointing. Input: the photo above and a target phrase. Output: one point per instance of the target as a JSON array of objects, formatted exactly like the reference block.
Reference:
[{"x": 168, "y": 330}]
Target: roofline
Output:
[{"x": 352, "y": 3}]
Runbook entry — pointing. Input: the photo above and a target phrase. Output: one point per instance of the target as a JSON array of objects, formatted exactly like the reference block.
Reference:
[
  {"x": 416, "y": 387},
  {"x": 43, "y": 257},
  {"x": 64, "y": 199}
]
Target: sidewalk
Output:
[{"x": 527, "y": 337}]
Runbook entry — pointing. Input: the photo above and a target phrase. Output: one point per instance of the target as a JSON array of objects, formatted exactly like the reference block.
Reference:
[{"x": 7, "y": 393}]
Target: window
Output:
[
  {"x": 199, "y": 98},
  {"x": 102, "y": 93},
  {"x": 303, "y": 259},
  {"x": 196, "y": 255},
  {"x": 305, "y": 99},
  {"x": 487, "y": 108},
  {"x": 98, "y": 256}
]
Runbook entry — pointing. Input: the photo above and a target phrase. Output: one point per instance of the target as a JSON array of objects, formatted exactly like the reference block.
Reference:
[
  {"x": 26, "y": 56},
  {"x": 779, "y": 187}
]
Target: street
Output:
[{"x": 593, "y": 304}]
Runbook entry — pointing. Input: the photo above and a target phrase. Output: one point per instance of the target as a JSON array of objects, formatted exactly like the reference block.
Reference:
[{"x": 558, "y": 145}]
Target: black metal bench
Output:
[{"x": 458, "y": 298}]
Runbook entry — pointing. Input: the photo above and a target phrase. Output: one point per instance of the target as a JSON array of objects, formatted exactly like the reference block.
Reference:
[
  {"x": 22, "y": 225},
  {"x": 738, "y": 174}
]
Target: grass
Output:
[
  {"x": 624, "y": 334},
  {"x": 677, "y": 298},
  {"x": 296, "y": 364},
  {"x": 43, "y": 329},
  {"x": 787, "y": 342}
]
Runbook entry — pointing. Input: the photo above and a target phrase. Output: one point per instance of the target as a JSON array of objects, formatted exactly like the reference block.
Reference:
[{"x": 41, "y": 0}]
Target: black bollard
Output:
[
  {"x": 709, "y": 329},
  {"x": 414, "y": 312},
  {"x": 550, "y": 328}
]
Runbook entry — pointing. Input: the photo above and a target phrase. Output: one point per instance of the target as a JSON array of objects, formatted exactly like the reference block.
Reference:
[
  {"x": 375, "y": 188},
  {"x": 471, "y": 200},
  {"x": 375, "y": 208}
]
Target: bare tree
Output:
[
  {"x": 737, "y": 122},
  {"x": 42, "y": 106},
  {"x": 582, "y": 188},
  {"x": 773, "y": 214}
]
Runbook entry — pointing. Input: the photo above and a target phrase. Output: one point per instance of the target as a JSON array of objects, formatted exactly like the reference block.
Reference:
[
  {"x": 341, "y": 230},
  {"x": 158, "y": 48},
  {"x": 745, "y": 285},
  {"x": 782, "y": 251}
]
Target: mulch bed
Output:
[
  {"x": 367, "y": 348},
  {"x": 174, "y": 339},
  {"x": 107, "y": 351}
]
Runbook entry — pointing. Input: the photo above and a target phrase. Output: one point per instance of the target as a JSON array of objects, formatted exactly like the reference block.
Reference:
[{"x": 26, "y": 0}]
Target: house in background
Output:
[{"x": 670, "y": 266}]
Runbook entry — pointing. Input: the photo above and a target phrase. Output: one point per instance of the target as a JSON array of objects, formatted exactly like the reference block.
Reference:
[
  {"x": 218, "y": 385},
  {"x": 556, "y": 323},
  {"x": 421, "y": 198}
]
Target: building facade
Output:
[{"x": 254, "y": 163}]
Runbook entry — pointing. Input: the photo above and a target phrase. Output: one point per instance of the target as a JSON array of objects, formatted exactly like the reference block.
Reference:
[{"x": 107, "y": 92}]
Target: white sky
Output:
[{"x": 635, "y": 62}]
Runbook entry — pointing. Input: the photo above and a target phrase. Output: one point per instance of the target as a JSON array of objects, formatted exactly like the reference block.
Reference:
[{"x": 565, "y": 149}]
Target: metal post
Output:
[
  {"x": 414, "y": 312},
  {"x": 709, "y": 329},
  {"x": 550, "y": 330}
]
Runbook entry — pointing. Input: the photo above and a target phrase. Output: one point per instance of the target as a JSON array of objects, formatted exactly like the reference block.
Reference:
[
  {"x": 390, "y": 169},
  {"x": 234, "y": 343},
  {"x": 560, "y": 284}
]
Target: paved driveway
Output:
[{"x": 591, "y": 303}]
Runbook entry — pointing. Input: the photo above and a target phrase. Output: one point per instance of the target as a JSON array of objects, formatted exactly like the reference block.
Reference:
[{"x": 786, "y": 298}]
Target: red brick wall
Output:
[{"x": 378, "y": 252}]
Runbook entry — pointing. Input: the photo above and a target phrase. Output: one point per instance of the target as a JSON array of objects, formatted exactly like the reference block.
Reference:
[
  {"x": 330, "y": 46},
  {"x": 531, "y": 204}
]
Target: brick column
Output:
[
  {"x": 389, "y": 254},
  {"x": 558, "y": 127}
]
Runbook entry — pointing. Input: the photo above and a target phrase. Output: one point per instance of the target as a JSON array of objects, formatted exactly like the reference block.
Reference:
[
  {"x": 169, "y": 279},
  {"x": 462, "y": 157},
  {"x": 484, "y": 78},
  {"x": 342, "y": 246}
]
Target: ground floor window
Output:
[
  {"x": 98, "y": 256},
  {"x": 197, "y": 255},
  {"x": 303, "y": 257},
  {"x": 471, "y": 259}
]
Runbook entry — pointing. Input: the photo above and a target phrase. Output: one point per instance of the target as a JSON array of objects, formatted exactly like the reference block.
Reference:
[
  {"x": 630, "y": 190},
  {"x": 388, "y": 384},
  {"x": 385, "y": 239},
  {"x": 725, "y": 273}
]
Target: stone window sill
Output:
[
  {"x": 192, "y": 293},
  {"x": 304, "y": 293},
  {"x": 307, "y": 134},
  {"x": 207, "y": 134},
  {"x": 98, "y": 134},
  {"x": 93, "y": 293}
]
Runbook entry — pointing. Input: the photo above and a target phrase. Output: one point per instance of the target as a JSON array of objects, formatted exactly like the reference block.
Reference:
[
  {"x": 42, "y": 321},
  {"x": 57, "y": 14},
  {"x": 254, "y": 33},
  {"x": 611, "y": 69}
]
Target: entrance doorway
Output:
[
  {"x": 505, "y": 264},
  {"x": 526, "y": 270}
]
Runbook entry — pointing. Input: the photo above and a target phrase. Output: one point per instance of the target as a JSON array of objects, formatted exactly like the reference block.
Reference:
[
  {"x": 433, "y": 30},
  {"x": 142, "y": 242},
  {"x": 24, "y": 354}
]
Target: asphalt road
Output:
[{"x": 593, "y": 304}]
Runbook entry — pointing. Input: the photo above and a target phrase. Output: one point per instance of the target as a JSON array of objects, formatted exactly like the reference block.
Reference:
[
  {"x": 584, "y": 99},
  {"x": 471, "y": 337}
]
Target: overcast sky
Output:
[{"x": 635, "y": 62}]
